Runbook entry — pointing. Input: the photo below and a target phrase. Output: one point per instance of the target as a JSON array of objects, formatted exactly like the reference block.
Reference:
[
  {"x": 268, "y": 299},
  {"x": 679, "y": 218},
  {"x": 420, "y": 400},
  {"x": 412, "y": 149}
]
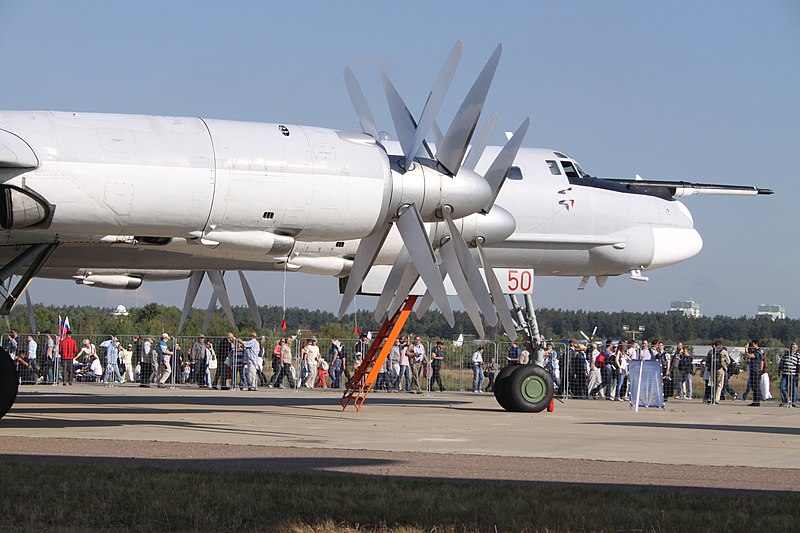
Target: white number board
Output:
[{"x": 515, "y": 280}]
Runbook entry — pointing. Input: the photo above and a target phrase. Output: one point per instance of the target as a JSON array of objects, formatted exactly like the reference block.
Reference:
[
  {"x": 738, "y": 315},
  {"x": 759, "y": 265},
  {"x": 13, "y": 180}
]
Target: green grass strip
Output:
[{"x": 84, "y": 497}]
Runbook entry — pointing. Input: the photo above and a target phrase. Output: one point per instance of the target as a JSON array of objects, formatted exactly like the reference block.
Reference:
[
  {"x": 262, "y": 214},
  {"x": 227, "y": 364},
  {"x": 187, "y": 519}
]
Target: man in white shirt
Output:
[
  {"x": 33, "y": 346},
  {"x": 645, "y": 352},
  {"x": 477, "y": 370},
  {"x": 251, "y": 349},
  {"x": 312, "y": 358}
]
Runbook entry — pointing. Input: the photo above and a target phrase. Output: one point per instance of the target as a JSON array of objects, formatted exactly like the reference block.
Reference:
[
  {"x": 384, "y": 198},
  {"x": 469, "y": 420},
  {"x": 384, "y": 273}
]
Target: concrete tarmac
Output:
[{"x": 450, "y": 434}]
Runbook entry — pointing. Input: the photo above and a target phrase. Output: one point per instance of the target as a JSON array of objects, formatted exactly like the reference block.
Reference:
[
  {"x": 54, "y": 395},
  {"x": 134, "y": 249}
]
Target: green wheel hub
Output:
[{"x": 534, "y": 389}]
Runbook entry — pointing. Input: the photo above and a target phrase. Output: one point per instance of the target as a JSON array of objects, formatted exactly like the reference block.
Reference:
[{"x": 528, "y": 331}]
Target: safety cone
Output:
[{"x": 551, "y": 405}]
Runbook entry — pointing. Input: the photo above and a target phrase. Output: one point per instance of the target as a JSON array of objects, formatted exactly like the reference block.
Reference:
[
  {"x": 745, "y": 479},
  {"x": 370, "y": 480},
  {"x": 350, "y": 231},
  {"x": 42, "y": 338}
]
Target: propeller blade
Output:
[
  {"x": 404, "y": 124},
  {"x": 212, "y": 306},
  {"x": 365, "y": 118},
  {"x": 410, "y": 277},
  {"x": 496, "y": 175},
  {"x": 191, "y": 293},
  {"x": 221, "y": 291},
  {"x": 500, "y": 303},
  {"x": 451, "y": 151},
  {"x": 418, "y": 245},
  {"x": 450, "y": 261},
  {"x": 367, "y": 251},
  {"x": 479, "y": 145},
  {"x": 427, "y": 298},
  {"x": 392, "y": 281},
  {"x": 436, "y": 133},
  {"x": 424, "y": 304},
  {"x": 434, "y": 101},
  {"x": 251, "y": 301},
  {"x": 470, "y": 269}
]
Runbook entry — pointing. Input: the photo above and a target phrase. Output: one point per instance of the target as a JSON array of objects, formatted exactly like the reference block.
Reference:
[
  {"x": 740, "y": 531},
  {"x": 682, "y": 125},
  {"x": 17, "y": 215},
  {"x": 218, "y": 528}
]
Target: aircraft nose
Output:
[{"x": 673, "y": 245}]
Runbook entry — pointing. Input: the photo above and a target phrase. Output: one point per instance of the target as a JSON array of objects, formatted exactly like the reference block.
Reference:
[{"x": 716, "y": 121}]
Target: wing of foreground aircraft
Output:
[{"x": 678, "y": 189}]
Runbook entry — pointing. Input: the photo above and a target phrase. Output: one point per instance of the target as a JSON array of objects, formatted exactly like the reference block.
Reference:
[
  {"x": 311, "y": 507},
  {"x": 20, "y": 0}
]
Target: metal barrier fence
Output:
[{"x": 574, "y": 378}]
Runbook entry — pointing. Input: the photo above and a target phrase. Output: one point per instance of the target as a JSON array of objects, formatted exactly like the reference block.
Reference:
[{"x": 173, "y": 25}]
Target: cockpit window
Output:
[
  {"x": 554, "y": 170},
  {"x": 514, "y": 173},
  {"x": 569, "y": 169}
]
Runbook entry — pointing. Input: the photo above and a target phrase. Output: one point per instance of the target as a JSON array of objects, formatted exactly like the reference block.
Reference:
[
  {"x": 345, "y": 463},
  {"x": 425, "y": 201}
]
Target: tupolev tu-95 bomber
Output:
[{"x": 432, "y": 214}]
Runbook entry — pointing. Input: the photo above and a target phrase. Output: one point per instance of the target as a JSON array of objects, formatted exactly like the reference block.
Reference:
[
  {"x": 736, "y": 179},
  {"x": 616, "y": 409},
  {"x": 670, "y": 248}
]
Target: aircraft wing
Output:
[
  {"x": 677, "y": 189},
  {"x": 520, "y": 238},
  {"x": 511, "y": 280}
]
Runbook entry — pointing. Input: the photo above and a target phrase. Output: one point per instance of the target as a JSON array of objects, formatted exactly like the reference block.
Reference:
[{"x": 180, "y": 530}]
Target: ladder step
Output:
[{"x": 364, "y": 377}]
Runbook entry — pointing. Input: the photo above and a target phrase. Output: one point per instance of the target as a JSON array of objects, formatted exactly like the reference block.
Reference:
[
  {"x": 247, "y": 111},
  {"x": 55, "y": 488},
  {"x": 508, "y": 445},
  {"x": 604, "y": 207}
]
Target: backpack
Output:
[{"x": 600, "y": 360}]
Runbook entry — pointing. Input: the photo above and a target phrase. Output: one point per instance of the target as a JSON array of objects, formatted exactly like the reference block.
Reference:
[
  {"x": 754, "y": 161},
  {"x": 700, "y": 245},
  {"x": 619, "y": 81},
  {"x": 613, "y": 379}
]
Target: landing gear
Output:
[
  {"x": 27, "y": 264},
  {"x": 9, "y": 382},
  {"x": 523, "y": 388},
  {"x": 501, "y": 387},
  {"x": 30, "y": 261}
]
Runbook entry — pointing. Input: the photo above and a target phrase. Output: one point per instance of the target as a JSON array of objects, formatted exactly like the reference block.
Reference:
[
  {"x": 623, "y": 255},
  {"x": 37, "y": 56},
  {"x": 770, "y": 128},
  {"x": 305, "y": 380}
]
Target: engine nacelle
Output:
[
  {"x": 116, "y": 281},
  {"x": 492, "y": 227}
]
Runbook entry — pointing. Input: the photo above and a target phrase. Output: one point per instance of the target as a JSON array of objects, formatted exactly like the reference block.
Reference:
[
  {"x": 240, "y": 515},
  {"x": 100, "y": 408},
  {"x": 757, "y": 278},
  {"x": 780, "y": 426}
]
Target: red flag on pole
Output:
[
  {"x": 283, "y": 324},
  {"x": 356, "y": 331}
]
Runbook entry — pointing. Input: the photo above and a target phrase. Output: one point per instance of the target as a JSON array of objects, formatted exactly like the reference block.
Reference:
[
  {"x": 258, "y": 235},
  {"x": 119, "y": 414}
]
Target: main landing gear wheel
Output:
[
  {"x": 524, "y": 388},
  {"x": 9, "y": 382},
  {"x": 501, "y": 387}
]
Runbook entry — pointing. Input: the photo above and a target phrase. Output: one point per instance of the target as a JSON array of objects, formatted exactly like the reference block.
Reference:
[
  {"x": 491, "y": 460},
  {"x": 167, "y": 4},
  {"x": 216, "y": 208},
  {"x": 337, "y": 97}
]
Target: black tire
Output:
[
  {"x": 501, "y": 387},
  {"x": 9, "y": 382},
  {"x": 530, "y": 389}
]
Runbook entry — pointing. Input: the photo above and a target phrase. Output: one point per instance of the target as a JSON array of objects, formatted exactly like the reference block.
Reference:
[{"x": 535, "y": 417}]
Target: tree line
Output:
[{"x": 154, "y": 318}]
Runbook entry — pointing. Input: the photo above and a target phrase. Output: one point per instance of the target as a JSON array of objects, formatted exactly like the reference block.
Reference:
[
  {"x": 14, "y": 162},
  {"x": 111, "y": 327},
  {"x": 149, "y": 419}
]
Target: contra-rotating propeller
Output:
[
  {"x": 417, "y": 259},
  {"x": 414, "y": 174}
]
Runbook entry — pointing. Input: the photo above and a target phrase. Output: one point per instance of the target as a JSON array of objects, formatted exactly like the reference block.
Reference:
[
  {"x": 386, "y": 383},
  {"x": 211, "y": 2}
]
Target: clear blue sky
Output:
[{"x": 704, "y": 91}]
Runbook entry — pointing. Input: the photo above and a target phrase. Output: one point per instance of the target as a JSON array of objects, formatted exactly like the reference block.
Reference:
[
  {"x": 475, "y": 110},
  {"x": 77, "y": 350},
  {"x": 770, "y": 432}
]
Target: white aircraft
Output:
[{"x": 168, "y": 196}]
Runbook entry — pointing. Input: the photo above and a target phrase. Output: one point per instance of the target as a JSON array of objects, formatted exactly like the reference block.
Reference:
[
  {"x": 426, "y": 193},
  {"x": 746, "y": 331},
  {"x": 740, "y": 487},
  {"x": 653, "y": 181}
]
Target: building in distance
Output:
[
  {"x": 684, "y": 308},
  {"x": 773, "y": 311},
  {"x": 119, "y": 311}
]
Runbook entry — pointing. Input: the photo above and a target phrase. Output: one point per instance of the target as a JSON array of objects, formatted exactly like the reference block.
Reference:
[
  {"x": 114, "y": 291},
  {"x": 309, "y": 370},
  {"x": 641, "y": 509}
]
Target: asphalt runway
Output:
[{"x": 442, "y": 435}]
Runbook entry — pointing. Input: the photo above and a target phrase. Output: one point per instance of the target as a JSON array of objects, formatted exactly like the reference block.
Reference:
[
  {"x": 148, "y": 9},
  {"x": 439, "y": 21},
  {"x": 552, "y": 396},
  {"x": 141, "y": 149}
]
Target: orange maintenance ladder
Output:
[{"x": 365, "y": 375}]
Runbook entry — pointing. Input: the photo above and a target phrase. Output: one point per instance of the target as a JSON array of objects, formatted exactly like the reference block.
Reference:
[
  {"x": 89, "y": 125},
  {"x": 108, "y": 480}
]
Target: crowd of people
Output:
[
  {"x": 597, "y": 371},
  {"x": 590, "y": 370},
  {"x": 230, "y": 363}
]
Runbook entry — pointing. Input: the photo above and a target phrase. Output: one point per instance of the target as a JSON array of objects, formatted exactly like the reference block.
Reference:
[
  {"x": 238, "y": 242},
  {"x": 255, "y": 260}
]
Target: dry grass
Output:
[{"x": 36, "y": 497}]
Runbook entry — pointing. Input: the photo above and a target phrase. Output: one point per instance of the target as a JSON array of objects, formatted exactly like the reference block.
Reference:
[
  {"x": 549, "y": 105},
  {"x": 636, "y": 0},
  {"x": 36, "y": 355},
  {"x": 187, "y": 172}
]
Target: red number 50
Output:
[{"x": 520, "y": 280}]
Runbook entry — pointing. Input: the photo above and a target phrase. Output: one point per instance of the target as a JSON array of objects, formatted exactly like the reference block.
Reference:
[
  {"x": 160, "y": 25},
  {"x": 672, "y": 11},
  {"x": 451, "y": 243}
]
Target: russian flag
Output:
[
  {"x": 67, "y": 329},
  {"x": 60, "y": 326}
]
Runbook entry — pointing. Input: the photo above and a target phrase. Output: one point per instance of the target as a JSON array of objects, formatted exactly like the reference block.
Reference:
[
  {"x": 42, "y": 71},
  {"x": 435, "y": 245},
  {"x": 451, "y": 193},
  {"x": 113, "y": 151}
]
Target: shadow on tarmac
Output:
[
  {"x": 218, "y": 398},
  {"x": 305, "y": 464},
  {"x": 712, "y": 427}
]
